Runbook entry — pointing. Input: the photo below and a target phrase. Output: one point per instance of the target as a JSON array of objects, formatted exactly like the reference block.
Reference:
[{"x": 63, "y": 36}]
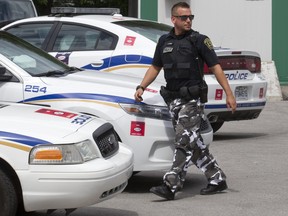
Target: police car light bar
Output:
[{"x": 77, "y": 10}]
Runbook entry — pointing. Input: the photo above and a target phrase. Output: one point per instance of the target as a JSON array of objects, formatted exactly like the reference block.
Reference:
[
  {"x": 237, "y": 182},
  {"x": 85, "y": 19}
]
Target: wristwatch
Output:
[{"x": 139, "y": 86}]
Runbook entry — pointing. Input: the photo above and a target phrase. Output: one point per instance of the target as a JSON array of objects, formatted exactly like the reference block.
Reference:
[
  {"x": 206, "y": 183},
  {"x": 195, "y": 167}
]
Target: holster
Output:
[
  {"x": 167, "y": 95},
  {"x": 190, "y": 93},
  {"x": 203, "y": 92},
  {"x": 187, "y": 93}
]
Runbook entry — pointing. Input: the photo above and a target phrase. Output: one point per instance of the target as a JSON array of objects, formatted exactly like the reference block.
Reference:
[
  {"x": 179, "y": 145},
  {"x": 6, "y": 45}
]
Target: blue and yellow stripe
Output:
[
  {"x": 122, "y": 61},
  {"x": 19, "y": 141}
]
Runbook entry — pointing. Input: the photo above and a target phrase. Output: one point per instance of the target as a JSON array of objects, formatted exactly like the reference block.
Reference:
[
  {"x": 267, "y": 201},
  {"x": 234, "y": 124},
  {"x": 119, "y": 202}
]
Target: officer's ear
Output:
[{"x": 173, "y": 19}]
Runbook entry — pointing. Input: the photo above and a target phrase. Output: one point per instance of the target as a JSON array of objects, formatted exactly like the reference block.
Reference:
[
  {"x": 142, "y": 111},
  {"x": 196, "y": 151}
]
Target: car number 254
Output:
[{"x": 35, "y": 89}]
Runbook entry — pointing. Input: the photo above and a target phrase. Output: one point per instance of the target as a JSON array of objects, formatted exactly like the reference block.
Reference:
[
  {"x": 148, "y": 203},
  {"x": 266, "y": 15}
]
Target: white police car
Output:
[
  {"x": 30, "y": 75},
  {"x": 55, "y": 159},
  {"x": 126, "y": 45}
]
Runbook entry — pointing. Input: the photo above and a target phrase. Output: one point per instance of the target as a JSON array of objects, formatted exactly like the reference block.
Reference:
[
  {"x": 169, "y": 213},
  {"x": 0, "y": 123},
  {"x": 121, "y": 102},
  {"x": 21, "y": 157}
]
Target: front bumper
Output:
[
  {"x": 151, "y": 140},
  {"x": 74, "y": 186}
]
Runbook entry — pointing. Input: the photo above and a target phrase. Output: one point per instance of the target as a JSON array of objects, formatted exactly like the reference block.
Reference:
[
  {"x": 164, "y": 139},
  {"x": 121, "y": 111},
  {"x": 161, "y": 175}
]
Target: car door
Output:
[
  {"x": 11, "y": 86},
  {"x": 21, "y": 69},
  {"x": 83, "y": 46},
  {"x": 15, "y": 84}
]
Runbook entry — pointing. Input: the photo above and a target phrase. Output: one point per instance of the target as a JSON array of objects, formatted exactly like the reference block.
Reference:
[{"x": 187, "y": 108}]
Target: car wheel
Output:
[
  {"x": 216, "y": 126},
  {"x": 8, "y": 197}
]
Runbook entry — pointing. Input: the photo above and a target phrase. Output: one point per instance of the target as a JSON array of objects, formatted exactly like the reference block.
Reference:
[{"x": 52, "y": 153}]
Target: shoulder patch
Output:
[{"x": 208, "y": 43}]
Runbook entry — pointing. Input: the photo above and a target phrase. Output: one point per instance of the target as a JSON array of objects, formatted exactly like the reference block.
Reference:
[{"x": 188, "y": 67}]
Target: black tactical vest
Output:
[{"x": 179, "y": 57}]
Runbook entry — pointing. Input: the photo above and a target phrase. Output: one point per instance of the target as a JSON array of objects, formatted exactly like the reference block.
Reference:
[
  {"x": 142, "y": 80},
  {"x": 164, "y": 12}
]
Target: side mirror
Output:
[
  {"x": 3, "y": 76},
  {"x": 2, "y": 70}
]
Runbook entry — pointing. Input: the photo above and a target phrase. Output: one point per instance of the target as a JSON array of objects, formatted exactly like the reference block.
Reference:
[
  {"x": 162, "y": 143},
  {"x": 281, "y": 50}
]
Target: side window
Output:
[
  {"x": 6, "y": 75},
  {"x": 33, "y": 33},
  {"x": 105, "y": 42},
  {"x": 81, "y": 38}
]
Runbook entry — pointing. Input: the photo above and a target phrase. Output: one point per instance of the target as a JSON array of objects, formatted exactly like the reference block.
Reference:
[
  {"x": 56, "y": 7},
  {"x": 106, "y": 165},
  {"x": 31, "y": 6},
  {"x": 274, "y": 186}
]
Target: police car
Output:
[
  {"x": 56, "y": 159},
  {"x": 124, "y": 45},
  {"x": 30, "y": 75}
]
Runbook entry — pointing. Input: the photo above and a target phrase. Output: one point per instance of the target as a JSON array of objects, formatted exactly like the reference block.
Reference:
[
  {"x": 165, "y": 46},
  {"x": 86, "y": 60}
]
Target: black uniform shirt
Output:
[{"x": 205, "y": 52}]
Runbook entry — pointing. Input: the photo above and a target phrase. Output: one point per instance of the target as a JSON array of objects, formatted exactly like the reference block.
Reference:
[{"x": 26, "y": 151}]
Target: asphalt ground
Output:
[{"x": 252, "y": 153}]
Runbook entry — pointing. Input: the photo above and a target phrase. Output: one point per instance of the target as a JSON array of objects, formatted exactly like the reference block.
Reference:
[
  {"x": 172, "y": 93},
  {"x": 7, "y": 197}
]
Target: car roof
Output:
[
  {"x": 99, "y": 21},
  {"x": 107, "y": 22},
  {"x": 89, "y": 18},
  {"x": 107, "y": 18}
]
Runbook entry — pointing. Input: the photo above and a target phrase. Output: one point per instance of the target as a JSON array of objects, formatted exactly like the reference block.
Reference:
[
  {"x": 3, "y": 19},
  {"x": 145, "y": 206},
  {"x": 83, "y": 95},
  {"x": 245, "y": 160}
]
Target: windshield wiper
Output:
[
  {"x": 51, "y": 73},
  {"x": 73, "y": 69},
  {"x": 59, "y": 72},
  {"x": 55, "y": 73}
]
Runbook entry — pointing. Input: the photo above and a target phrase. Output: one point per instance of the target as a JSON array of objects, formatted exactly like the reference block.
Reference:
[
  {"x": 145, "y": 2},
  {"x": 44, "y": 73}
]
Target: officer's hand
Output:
[
  {"x": 138, "y": 95},
  {"x": 231, "y": 103}
]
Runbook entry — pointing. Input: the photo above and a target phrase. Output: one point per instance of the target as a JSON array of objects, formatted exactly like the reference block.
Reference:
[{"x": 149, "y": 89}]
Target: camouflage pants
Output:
[{"x": 189, "y": 146}]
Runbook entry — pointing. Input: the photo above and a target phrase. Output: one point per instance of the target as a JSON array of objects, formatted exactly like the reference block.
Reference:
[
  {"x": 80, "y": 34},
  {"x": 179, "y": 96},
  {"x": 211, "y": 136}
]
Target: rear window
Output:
[{"x": 148, "y": 29}]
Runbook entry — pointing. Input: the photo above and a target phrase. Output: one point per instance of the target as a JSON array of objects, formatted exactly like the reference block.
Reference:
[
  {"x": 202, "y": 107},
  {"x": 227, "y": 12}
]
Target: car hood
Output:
[
  {"x": 40, "y": 122},
  {"x": 121, "y": 87}
]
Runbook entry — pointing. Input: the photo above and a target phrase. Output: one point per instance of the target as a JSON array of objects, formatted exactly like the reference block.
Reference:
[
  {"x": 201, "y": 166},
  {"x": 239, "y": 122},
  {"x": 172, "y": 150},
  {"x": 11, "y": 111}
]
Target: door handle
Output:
[{"x": 97, "y": 63}]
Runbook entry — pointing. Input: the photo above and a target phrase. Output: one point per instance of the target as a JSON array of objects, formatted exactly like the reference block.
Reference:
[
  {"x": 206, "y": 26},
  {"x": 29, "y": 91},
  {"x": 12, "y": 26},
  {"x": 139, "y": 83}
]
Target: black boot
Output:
[
  {"x": 213, "y": 189},
  {"x": 163, "y": 191}
]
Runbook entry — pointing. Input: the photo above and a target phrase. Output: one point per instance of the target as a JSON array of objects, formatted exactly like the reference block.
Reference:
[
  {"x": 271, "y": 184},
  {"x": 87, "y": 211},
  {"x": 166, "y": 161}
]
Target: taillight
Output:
[{"x": 251, "y": 63}]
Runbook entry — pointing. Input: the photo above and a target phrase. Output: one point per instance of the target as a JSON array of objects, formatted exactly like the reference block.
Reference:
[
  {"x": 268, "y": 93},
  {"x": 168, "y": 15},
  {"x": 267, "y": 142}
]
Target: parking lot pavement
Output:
[{"x": 253, "y": 155}]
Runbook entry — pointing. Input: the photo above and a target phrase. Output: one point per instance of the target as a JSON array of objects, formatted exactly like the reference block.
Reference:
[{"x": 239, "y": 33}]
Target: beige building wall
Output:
[{"x": 240, "y": 24}]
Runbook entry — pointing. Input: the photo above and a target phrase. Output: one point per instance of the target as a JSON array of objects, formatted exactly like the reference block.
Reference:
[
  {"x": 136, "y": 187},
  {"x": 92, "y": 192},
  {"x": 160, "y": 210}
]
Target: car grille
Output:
[
  {"x": 106, "y": 140},
  {"x": 113, "y": 190}
]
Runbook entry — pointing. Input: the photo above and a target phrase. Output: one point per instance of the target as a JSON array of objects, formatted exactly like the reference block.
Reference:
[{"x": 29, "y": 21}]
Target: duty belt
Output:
[{"x": 187, "y": 93}]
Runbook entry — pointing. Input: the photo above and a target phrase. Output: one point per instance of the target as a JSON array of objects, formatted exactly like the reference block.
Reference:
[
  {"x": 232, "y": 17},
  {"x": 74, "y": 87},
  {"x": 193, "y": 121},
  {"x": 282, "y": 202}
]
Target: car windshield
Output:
[
  {"x": 31, "y": 59},
  {"x": 11, "y": 10},
  {"x": 149, "y": 29}
]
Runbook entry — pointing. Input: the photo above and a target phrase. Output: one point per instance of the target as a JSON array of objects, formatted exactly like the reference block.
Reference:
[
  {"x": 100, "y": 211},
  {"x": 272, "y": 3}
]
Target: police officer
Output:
[{"x": 181, "y": 54}]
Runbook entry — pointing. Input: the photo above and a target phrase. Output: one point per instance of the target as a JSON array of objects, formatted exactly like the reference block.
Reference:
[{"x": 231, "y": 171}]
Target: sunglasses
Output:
[{"x": 185, "y": 17}]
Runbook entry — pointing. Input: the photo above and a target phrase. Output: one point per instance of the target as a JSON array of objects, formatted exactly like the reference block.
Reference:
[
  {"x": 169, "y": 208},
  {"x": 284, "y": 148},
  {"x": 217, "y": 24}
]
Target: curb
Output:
[
  {"x": 274, "y": 90},
  {"x": 284, "y": 90}
]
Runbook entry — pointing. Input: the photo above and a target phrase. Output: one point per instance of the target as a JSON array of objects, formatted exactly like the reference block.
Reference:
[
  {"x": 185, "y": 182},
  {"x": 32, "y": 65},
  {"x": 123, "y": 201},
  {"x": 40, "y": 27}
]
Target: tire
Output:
[
  {"x": 216, "y": 126},
  {"x": 8, "y": 196}
]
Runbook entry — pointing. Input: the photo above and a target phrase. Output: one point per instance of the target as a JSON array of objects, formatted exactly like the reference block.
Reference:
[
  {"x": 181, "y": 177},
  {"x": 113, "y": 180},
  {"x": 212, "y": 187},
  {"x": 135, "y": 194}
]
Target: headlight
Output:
[
  {"x": 147, "y": 111},
  {"x": 75, "y": 153}
]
